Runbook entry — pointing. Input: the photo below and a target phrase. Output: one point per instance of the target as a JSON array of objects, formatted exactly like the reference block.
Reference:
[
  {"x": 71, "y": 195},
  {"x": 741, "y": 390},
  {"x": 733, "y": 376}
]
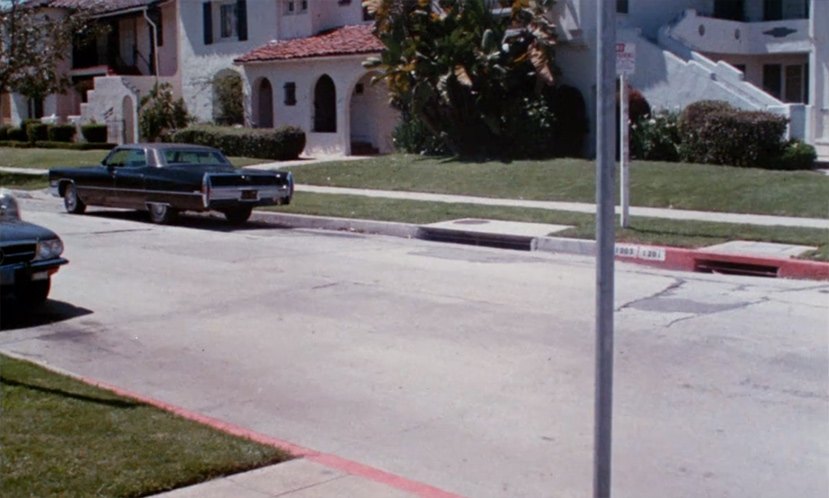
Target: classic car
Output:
[
  {"x": 165, "y": 179},
  {"x": 29, "y": 255}
]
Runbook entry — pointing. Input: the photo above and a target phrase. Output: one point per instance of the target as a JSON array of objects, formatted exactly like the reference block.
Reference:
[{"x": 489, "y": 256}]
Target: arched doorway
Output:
[
  {"x": 128, "y": 117},
  {"x": 264, "y": 108},
  {"x": 325, "y": 105}
]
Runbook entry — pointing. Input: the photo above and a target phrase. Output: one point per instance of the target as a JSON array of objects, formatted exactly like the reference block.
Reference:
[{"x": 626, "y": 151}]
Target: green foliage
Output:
[
  {"x": 35, "y": 130},
  {"x": 278, "y": 144},
  {"x": 14, "y": 144},
  {"x": 94, "y": 132},
  {"x": 412, "y": 136},
  {"x": 61, "y": 133},
  {"x": 796, "y": 155},
  {"x": 34, "y": 46},
  {"x": 474, "y": 79},
  {"x": 16, "y": 134},
  {"x": 4, "y": 132},
  {"x": 160, "y": 113},
  {"x": 691, "y": 121},
  {"x": 229, "y": 105},
  {"x": 655, "y": 137}
]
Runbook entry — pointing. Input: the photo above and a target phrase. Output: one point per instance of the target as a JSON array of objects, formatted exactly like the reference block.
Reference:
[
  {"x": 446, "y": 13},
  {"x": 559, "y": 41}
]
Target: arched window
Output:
[
  {"x": 265, "y": 107},
  {"x": 325, "y": 105}
]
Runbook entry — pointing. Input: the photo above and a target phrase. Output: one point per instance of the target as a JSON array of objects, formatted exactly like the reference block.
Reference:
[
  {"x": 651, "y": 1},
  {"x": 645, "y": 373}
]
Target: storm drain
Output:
[
  {"x": 734, "y": 268},
  {"x": 490, "y": 233},
  {"x": 499, "y": 241}
]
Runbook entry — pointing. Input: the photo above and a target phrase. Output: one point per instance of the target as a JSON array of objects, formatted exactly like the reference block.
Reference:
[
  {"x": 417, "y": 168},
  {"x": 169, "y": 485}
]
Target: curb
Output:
[
  {"x": 326, "y": 459},
  {"x": 663, "y": 257}
]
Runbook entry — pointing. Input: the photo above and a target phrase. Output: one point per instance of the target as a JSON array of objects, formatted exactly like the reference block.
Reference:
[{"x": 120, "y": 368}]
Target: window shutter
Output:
[
  {"x": 207, "y": 16},
  {"x": 242, "y": 19}
]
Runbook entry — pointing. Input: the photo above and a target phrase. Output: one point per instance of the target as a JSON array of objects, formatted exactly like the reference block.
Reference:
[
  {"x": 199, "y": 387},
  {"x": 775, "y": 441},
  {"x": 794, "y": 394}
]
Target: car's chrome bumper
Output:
[{"x": 16, "y": 273}]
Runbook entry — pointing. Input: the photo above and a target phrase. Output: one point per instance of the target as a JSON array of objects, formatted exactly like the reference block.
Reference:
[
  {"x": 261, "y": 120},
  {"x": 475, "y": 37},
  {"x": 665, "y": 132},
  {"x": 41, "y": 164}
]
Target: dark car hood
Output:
[{"x": 18, "y": 230}]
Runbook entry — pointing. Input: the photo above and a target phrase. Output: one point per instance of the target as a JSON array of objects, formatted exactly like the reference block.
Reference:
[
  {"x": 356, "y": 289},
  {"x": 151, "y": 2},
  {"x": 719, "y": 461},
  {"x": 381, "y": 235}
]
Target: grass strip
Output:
[
  {"x": 653, "y": 184},
  {"x": 658, "y": 231},
  {"x": 61, "y": 437}
]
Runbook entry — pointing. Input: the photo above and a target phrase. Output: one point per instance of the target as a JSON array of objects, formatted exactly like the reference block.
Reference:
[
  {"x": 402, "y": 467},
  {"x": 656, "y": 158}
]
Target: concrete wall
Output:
[{"x": 346, "y": 72}]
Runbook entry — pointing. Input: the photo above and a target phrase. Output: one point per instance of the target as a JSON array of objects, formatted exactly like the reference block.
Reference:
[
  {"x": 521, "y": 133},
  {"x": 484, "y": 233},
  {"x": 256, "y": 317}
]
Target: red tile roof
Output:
[{"x": 347, "y": 40}]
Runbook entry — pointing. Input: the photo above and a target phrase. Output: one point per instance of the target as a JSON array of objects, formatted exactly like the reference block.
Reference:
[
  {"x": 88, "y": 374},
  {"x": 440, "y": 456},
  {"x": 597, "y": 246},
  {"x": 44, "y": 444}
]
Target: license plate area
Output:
[{"x": 250, "y": 195}]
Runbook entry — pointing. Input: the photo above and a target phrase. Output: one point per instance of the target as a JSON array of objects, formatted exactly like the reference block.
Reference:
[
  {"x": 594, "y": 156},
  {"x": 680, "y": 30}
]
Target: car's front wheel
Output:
[
  {"x": 35, "y": 293},
  {"x": 71, "y": 202},
  {"x": 238, "y": 215},
  {"x": 161, "y": 213}
]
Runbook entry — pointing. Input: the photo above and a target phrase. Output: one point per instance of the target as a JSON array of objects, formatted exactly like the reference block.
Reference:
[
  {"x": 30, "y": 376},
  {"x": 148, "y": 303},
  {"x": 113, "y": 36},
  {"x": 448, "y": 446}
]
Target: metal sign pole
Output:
[
  {"x": 605, "y": 242},
  {"x": 624, "y": 152}
]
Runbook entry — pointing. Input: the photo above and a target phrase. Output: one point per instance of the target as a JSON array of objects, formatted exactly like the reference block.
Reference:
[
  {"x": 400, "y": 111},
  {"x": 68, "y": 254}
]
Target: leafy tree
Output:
[
  {"x": 160, "y": 113},
  {"x": 475, "y": 78},
  {"x": 229, "y": 98},
  {"x": 34, "y": 44}
]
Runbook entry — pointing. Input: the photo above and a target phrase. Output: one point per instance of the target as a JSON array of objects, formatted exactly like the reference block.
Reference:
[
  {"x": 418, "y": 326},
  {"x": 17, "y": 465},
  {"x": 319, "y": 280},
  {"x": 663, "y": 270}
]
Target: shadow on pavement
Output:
[
  {"x": 198, "y": 221},
  {"x": 16, "y": 316}
]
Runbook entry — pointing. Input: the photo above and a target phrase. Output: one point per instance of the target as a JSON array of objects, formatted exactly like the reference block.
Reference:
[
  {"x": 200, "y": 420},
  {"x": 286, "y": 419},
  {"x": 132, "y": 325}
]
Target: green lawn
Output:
[
  {"x": 653, "y": 184},
  {"x": 674, "y": 233},
  {"x": 61, "y": 437}
]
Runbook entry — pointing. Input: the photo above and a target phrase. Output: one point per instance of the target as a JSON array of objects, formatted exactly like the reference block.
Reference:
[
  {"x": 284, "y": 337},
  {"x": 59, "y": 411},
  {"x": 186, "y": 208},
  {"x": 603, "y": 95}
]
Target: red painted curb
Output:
[
  {"x": 695, "y": 260},
  {"x": 332, "y": 461}
]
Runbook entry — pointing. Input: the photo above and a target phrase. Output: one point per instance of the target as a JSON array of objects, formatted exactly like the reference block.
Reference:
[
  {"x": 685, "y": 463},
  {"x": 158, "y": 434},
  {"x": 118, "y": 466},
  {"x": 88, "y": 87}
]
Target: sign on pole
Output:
[{"x": 625, "y": 65}]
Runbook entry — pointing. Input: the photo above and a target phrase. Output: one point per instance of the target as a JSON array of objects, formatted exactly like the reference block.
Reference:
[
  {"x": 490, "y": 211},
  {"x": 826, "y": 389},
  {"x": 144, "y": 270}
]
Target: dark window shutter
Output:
[
  {"x": 242, "y": 19},
  {"x": 207, "y": 15}
]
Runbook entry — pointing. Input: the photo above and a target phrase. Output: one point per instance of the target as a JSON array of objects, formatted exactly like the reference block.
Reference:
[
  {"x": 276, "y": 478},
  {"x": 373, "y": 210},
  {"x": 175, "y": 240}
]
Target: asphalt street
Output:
[{"x": 467, "y": 368}]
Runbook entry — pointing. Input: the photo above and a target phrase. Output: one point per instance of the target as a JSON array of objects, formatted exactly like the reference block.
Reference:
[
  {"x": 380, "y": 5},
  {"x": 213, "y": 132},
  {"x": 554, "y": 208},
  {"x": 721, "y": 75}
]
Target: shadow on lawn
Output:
[{"x": 114, "y": 403}]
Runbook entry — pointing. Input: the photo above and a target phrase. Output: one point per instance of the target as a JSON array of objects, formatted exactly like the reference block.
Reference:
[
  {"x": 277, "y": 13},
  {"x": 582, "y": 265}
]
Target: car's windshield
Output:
[{"x": 178, "y": 157}]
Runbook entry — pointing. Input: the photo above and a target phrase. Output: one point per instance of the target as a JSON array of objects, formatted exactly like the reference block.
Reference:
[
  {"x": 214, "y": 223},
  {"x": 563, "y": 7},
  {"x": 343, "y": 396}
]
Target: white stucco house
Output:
[{"x": 300, "y": 61}]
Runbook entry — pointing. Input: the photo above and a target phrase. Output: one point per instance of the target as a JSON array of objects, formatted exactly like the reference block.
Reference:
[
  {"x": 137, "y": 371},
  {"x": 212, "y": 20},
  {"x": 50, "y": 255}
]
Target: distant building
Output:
[{"x": 300, "y": 61}]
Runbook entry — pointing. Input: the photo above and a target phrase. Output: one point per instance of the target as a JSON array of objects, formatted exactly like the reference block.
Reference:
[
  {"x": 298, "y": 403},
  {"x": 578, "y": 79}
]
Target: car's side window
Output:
[
  {"x": 130, "y": 158},
  {"x": 136, "y": 159}
]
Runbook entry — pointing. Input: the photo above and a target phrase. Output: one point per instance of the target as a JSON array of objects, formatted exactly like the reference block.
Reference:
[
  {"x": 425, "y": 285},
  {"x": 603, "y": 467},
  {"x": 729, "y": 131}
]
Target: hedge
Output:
[
  {"x": 16, "y": 144},
  {"x": 796, "y": 155},
  {"x": 715, "y": 133},
  {"x": 279, "y": 144},
  {"x": 4, "y": 132},
  {"x": 17, "y": 134},
  {"x": 37, "y": 131},
  {"x": 94, "y": 133},
  {"x": 61, "y": 133}
]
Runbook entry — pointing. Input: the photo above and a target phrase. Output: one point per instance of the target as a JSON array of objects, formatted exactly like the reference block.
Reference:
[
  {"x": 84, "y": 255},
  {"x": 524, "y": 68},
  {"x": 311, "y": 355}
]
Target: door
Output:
[{"x": 128, "y": 168}]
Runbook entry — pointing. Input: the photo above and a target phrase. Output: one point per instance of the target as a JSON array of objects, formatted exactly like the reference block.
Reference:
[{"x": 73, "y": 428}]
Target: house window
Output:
[
  {"x": 290, "y": 93},
  {"x": 35, "y": 108},
  {"x": 295, "y": 7},
  {"x": 622, "y": 6},
  {"x": 227, "y": 15}
]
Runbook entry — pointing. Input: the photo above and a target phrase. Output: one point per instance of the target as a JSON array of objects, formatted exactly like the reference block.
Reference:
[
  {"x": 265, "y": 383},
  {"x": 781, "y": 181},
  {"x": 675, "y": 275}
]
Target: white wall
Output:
[
  {"x": 344, "y": 71},
  {"x": 650, "y": 15},
  {"x": 200, "y": 62}
]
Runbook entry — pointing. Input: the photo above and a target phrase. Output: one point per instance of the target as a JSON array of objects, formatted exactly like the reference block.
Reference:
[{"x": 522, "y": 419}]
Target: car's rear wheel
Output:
[
  {"x": 71, "y": 202},
  {"x": 32, "y": 294},
  {"x": 238, "y": 215},
  {"x": 161, "y": 213}
]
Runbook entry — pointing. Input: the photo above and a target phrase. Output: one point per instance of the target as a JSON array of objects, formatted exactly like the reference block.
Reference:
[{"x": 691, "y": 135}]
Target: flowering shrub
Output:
[{"x": 655, "y": 137}]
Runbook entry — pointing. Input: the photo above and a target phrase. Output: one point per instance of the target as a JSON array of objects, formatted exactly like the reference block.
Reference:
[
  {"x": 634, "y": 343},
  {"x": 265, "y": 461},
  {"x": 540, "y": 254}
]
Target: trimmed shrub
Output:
[
  {"x": 571, "y": 123},
  {"x": 16, "y": 134},
  {"x": 35, "y": 130},
  {"x": 691, "y": 121},
  {"x": 94, "y": 132},
  {"x": 714, "y": 132},
  {"x": 655, "y": 138},
  {"x": 412, "y": 136},
  {"x": 57, "y": 145},
  {"x": 4, "y": 132},
  {"x": 278, "y": 144},
  {"x": 796, "y": 155},
  {"x": 61, "y": 133}
]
